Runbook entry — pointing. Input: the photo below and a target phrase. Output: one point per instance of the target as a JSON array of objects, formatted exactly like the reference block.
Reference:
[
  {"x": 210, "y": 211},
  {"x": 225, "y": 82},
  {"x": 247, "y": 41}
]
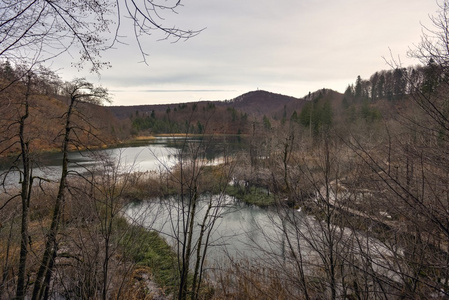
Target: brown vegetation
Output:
[{"x": 369, "y": 169}]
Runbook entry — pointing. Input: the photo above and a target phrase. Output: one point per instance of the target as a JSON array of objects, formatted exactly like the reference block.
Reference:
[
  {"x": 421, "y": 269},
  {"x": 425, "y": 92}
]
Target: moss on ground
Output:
[
  {"x": 252, "y": 195},
  {"x": 149, "y": 249}
]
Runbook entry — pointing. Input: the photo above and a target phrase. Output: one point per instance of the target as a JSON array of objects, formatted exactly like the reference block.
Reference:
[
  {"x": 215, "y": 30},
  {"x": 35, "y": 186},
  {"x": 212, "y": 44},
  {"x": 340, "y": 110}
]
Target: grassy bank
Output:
[
  {"x": 148, "y": 249},
  {"x": 252, "y": 195}
]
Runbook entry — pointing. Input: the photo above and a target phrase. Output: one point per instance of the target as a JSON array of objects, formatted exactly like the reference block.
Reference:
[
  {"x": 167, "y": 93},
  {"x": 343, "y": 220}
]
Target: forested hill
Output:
[
  {"x": 254, "y": 103},
  {"x": 260, "y": 103},
  {"x": 34, "y": 108},
  {"x": 224, "y": 117}
]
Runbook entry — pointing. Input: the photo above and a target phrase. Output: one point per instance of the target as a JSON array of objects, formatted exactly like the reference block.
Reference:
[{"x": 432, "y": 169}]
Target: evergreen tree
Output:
[
  {"x": 381, "y": 86},
  {"x": 294, "y": 117},
  {"x": 266, "y": 122},
  {"x": 358, "y": 87},
  {"x": 374, "y": 85}
]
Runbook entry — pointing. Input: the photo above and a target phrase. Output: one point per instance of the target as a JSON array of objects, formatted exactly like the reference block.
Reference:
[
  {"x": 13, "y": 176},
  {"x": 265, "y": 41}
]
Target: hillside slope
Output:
[
  {"x": 225, "y": 117},
  {"x": 93, "y": 125},
  {"x": 259, "y": 103},
  {"x": 254, "y": 103}
]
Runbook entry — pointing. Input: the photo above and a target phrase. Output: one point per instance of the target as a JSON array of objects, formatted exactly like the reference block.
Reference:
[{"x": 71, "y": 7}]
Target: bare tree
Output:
[
  {"x": 18, "y": 135},
  {"x": 95, "y": 259},
  {"x": 78, "y": 92},
  {"x": 193, "y": 213},
  {"x": 409, "y": 172},
  {"x": 38, "y": 30},
  {"x": 25, "y": 194}
]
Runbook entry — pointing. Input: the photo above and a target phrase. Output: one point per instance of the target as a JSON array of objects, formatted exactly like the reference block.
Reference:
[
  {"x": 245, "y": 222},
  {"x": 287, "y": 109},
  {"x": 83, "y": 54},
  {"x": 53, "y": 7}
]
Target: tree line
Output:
[
  {"x": 398, "y": 82},
  {"x": 190, "y": 118}
]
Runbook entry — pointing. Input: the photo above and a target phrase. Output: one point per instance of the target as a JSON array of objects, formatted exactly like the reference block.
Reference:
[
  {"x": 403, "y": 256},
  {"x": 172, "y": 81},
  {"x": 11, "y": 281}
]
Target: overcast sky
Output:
[{"x": 283, "y": 46}]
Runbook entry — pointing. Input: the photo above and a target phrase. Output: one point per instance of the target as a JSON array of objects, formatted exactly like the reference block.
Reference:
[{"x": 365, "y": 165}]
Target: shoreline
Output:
[{"x": 135, "y": 141}]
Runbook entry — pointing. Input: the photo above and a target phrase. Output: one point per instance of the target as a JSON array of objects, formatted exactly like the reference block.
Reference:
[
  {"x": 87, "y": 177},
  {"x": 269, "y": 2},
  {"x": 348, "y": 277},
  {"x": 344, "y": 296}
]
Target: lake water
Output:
[
  {"x": 241, "y": 231},
  {"x": 158, "y": 153}
]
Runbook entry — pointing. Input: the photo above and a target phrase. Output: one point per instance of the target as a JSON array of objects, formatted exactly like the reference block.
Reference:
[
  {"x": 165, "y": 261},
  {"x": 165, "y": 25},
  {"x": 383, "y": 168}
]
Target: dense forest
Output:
[{"x": 355, "y": 187}]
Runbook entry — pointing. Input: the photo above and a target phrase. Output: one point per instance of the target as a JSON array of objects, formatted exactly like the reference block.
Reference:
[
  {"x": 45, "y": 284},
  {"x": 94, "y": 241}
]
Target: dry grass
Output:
[
  {"x": 81, "y": 243},
  {"x": 252, "y": 281}
]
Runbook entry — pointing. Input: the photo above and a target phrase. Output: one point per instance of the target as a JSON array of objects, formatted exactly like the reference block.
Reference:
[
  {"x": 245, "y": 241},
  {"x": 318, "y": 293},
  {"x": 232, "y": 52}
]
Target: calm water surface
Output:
[
  {"x": 241, "y": 230},
  {"x": 160, "y": 153}
]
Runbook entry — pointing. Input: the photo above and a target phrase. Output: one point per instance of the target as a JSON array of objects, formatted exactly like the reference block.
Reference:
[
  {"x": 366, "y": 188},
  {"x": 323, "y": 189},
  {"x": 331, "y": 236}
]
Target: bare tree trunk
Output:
[
  {"x": 199, "y": 259},
  {"x": 25, "y": 194},
  {"x": 330, "y": 227},
  {"x": 106, "y": 257},
  {"x": 183, "y": 286},
  {"x": 6, "y": 266},
  {"x": 44, "y": 273},
  {"x": 78, "y": 91}
]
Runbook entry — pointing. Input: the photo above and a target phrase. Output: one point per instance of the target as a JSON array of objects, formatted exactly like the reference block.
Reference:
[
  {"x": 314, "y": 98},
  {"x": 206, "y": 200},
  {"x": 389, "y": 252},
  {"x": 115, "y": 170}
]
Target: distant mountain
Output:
[
  {"x": 259, "y": 103},
  {"x": 127, "y": 111},
  {"x": 255, "y": 103}
]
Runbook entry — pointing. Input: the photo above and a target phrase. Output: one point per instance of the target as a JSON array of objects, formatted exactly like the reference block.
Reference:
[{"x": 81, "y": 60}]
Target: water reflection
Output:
[
  {"x": 241, "y": 232},
  {"x": 157, "y": 154}
]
